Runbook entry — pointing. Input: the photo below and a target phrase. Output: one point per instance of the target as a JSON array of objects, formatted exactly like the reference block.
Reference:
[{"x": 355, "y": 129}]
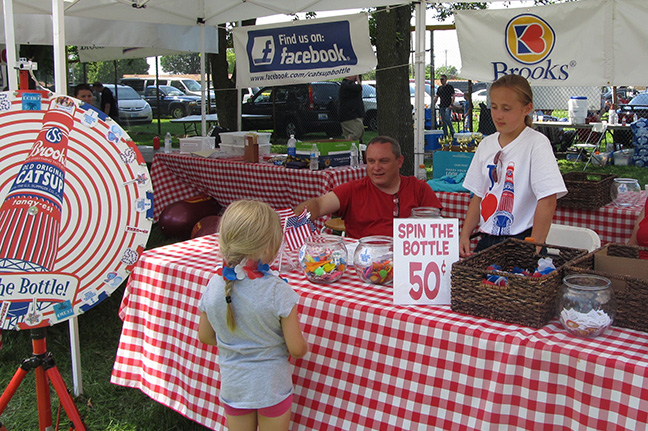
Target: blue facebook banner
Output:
[{"x": 316, "y": 46}]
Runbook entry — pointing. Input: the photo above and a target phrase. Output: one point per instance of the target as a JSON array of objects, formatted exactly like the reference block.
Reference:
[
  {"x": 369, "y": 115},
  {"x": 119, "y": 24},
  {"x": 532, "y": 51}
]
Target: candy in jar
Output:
[
  {"x": 587, "y": 306},
  {"x": 323, "y": 258},
  {"x": 374, "y": 259}
]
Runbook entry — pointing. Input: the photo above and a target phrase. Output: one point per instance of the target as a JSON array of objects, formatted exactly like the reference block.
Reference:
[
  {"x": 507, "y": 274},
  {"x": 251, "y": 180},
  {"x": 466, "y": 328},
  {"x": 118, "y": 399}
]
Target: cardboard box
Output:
[
  {"x": 621, "y": 266},
  {"x": 331, "y": 146},
  {"x": 450, "y": 163}
]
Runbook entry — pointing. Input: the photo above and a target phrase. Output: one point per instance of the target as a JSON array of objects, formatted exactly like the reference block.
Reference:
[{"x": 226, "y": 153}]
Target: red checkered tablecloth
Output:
[
  {"x": 178, "y": 176},
  {"x": 377, "y": 366},
  {"x": 613, "y": 224}
]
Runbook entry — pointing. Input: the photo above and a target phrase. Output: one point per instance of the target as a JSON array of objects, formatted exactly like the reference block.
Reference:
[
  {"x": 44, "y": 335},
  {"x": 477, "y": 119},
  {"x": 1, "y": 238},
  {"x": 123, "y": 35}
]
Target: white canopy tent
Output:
[{"x": 95, "y": 33}]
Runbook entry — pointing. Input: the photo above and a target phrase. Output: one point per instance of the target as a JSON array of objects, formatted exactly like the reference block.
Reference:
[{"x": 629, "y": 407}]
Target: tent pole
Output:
[
  {"x": 60, "y": 86},
  {"x": 239, "y": 100},
  {"x": 10, "y": 41},
  {"x": 203, "y": 105},
  {"x": 157, "y": 93},
  {"x": 419, "y": 79}
]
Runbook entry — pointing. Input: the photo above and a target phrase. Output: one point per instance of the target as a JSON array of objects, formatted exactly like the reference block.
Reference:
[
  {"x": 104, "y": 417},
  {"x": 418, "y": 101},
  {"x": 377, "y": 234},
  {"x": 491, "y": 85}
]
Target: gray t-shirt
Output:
[{"x": 253, "y": 360}]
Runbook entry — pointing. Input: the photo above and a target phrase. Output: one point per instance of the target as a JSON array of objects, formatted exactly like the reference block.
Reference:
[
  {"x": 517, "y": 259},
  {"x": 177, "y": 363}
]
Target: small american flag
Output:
[{"x": 296, "y": 227}]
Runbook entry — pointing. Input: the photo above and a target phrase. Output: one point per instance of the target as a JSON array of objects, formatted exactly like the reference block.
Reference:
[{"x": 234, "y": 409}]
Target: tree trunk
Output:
[
  {"x": 392, "y": 79},
  {"x": 224, "y": 85}
]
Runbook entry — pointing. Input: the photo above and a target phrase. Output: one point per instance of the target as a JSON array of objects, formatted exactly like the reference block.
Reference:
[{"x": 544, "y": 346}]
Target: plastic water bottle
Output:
[
  {"x": 292, "y": 142},
  {"x": 612, "y": 117},
  {"x": 314, "y": 158},
  {"x": 634, "y": 117},
  {"x": 354, "y": 155},
  {"x": 421, "y": 174},
  {"x": 167, "y": 142}
]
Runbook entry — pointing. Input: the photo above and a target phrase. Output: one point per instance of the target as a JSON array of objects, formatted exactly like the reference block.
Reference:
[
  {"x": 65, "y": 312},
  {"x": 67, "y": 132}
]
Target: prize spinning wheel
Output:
[{"x": 76, "y": 208}]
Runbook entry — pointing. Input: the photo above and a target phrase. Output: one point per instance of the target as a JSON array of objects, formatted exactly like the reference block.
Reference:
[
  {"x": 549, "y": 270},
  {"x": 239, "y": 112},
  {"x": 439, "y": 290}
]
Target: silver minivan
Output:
[
  {"x": 132, "y": 108},
  {"x": 186, "y": 85}
]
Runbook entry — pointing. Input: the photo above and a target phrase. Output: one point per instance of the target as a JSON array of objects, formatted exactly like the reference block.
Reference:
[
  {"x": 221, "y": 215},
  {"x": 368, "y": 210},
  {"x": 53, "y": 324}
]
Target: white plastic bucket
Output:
[{"x": 577, "y": 109}]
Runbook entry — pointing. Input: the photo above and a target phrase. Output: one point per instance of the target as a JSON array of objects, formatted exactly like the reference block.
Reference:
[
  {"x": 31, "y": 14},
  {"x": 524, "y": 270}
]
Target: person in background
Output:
[
  {"x": 640, "y": 232},
  {"x": 351, "y": 109},
  {"x": 107, "y": 102},
  {"x": 251, "y": 315},
  {"x": 369, "y": 205},
  {"x": 514, "y": 176},
  {"x": 446, "y": 94},
  {"x": 84, "y": 93}
]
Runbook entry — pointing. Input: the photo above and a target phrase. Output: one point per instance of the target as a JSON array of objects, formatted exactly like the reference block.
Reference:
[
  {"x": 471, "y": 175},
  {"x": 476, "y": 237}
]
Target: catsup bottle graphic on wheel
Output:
[{"x": 30, "y": 215}]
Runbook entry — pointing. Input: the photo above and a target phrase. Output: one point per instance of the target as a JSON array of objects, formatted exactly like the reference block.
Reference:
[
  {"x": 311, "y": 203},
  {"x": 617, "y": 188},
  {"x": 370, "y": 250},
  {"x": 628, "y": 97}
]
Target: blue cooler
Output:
[{"x": 432, "y": 140}]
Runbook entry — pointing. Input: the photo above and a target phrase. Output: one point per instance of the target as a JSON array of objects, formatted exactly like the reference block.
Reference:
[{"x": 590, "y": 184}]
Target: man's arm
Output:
[{"x": 320, "y": 206}]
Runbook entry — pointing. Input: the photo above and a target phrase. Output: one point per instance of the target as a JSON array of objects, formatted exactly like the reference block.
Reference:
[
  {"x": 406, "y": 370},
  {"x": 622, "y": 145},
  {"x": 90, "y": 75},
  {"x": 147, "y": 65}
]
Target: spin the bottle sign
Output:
[
  {"x": 30, "y": 219},
  {"x": 424, "y": 251}
]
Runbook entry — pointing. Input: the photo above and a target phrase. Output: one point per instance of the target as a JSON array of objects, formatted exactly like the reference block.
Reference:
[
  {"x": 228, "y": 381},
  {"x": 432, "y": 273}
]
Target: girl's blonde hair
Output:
[
  {"x": 521, "y": 87},
  {"x": 248, "y": 230}
]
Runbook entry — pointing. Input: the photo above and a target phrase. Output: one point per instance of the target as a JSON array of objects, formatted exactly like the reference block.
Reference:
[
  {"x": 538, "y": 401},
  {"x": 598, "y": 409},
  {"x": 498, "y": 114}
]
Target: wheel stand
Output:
[{"x": 42, "y": 362}]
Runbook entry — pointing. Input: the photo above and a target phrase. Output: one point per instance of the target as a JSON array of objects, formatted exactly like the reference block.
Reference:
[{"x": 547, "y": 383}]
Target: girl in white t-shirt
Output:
[
  {"x": 513, "y": 176},
  {"x": 251, "y": 315}
]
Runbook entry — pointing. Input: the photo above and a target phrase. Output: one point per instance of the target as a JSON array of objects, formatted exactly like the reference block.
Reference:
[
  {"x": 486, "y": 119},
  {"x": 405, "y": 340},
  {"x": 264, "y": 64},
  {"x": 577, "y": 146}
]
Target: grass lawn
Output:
[{"x": 113, "y": 408}]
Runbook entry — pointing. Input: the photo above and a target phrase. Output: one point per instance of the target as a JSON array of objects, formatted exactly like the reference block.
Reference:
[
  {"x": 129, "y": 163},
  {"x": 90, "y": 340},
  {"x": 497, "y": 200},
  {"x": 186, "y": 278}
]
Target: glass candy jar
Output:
[
  {"x": 625, "y": 192},
  {"x": 587, "y": 306},
  {"x": 323, "y": 258},
  {"x": 425, "y": 212},
  {"x": 374, "y": 259}
]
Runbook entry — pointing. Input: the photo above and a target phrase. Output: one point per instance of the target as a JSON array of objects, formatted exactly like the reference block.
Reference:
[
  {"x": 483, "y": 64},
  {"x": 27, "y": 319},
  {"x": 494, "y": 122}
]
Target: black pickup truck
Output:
[{"x": 173, "y": 102}]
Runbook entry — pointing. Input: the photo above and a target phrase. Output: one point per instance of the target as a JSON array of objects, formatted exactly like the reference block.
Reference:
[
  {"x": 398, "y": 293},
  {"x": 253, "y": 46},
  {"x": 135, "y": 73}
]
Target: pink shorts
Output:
[{"x": 269, "y": 412}]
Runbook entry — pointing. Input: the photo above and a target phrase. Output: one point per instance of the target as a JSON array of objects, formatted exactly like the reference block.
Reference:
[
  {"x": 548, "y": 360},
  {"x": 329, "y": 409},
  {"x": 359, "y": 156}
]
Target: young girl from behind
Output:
[
  {"x": 514, "y": 175},
  {"x": 251, "y": 315}
]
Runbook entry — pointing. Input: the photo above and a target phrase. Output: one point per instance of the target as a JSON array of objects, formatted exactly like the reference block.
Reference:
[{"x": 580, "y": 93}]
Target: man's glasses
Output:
[
  {"x": 496, "y": 162},
  {"x": 396, "y": 205}
]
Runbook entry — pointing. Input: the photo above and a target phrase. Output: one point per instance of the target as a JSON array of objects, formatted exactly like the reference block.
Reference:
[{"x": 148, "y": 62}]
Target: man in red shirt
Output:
[{"x": 369, "y": 205}]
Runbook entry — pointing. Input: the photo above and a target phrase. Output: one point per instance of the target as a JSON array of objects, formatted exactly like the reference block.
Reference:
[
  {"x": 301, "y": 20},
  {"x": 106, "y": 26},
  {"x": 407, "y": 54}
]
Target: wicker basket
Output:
[
  {"x": 631, "y": 292},
  {"x": 586, "y": 190},
  {"x": 529, "y": 301}
]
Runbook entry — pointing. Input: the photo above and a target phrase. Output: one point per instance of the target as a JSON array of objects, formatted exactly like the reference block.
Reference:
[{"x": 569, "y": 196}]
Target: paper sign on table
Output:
[{"x": 424, "y": 251}]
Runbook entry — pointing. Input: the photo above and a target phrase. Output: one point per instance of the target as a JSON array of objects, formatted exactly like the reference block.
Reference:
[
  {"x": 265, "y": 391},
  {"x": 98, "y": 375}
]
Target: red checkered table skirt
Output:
[
  {"x": 377, "y": 366},
  {"x": 611, "y": 223},
  {"x": 178, "y": 176}
]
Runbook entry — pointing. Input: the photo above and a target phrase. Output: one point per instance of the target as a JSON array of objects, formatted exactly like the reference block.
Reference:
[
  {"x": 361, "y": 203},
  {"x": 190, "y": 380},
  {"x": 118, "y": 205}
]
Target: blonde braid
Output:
[
  {"x": 248, "y": 230},
  {"x": 231, "y": 320}
]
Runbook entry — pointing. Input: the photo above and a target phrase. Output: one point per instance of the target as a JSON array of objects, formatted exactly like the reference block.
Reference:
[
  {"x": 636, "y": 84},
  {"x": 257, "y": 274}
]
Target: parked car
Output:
[
  {"x": 132, "y": 108},
  {"x": 479, "y": 96},
  {"x": 173, "y": 102},
  {"x": 190, "y": 87},
  {"x": 624, "y": 95},
  {"x": 295, "y": 109},
  {"x": 370, "y": 107},
  {"x": 248, "y": 92},
  {"x": 427, "y": 98},
  {"x": 638, "y": 105}
]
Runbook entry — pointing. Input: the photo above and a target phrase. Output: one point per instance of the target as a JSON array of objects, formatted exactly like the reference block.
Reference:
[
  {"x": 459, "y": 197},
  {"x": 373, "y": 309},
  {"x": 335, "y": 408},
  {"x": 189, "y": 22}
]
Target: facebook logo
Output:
[{"x": 263, "y": 50}]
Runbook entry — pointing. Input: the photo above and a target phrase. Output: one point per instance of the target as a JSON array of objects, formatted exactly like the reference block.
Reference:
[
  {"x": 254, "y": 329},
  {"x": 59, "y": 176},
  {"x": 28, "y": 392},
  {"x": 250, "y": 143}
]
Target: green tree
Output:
[
  {"x": 449, "y": 71},
  {"x": 181, "y": 64},
  {"x": 104, "y": 71}
]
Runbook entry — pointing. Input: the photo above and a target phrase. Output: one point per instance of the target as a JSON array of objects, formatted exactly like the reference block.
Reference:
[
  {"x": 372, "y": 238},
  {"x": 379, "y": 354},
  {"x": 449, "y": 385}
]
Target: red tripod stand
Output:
[{"x": 42, "y": 362}]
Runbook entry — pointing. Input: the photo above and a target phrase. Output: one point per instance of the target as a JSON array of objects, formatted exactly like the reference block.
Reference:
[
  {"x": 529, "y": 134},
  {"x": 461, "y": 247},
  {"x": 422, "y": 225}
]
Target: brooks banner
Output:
[
  {"x": 584, "y": 43},
  {"x": 303, "y": 51}
]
